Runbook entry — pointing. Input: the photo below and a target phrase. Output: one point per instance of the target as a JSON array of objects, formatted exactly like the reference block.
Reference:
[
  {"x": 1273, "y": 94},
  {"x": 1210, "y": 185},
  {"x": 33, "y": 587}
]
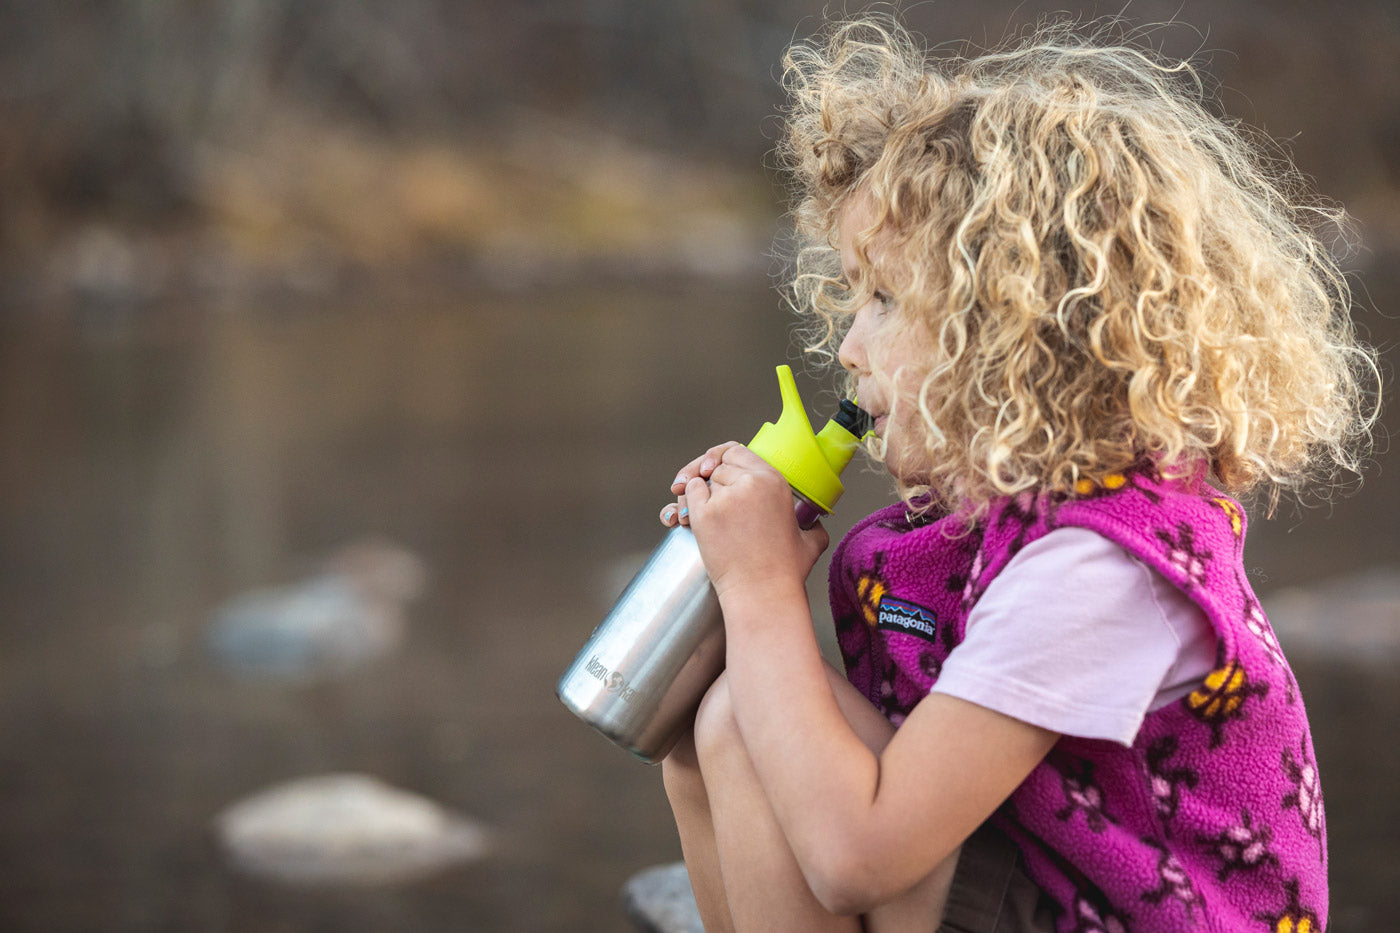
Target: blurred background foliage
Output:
[{"x": 473, "y": 278}]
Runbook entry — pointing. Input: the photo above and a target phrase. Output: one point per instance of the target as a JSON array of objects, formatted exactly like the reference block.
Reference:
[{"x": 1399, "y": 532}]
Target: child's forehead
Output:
[
  {"x": 853, "y": 222},
  {"x": 866, "y": 255},
  {"x": 854, "y": 218}
]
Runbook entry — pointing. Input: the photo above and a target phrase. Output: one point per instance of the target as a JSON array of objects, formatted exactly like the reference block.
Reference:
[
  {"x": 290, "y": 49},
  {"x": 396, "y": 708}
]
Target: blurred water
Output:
[{"x": 155, "y": 467}]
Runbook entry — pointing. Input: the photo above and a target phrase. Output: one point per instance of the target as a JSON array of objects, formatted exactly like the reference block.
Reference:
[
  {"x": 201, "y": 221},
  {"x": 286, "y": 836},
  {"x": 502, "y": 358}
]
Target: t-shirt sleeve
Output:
[{"x": 1077, "y": 636}]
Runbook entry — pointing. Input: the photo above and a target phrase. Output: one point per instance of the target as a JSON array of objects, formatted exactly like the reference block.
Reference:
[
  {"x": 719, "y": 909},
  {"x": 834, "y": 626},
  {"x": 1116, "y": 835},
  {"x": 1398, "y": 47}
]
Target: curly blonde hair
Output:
[{"x": 1099, "y": 267}]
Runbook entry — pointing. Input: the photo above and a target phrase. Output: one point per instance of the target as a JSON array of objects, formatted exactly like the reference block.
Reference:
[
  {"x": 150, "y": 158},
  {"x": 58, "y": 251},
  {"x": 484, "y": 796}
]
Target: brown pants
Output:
[{"x": 991, "y": 892}]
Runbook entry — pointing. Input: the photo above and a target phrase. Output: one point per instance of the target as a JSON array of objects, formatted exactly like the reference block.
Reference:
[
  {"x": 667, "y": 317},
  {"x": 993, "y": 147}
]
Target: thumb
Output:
[
  {"x": 815, "y": 539},
  {"x": 697, "y": 492}
]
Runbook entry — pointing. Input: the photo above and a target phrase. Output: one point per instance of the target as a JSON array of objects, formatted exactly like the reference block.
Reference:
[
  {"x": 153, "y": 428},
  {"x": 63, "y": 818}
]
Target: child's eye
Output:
[{"x": 885, "y": 300}]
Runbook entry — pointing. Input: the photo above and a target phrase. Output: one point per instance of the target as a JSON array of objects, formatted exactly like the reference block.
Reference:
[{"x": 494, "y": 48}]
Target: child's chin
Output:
[
  {"x": 909, "y": 466},
  {"x": 901, "y": 465}
]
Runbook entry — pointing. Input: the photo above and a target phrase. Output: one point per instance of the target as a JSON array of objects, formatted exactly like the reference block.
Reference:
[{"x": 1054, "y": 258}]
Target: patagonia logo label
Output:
[{"x": 899, "y": 616}]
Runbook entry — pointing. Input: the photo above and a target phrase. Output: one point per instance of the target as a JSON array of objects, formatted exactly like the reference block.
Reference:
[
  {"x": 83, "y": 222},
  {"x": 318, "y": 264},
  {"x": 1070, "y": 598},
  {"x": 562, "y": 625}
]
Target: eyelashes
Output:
[{"x": 882, "y": 297}]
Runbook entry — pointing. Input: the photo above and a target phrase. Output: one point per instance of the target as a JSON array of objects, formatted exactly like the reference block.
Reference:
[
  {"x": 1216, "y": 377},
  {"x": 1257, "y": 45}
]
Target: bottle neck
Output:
[{"x": 808, "y": 512}]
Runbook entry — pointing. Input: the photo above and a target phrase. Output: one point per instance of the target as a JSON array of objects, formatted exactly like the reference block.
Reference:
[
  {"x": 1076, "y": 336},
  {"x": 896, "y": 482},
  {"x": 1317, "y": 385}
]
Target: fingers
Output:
[
  {"x": 737, "y": 461},
  {"x": 678, "y": 512},
  {"x": 697, "y": 492},
  {"x": 702, "y": 466},
  {"x": 740, "y": 456},
  {"x": 715, "y": 465}
]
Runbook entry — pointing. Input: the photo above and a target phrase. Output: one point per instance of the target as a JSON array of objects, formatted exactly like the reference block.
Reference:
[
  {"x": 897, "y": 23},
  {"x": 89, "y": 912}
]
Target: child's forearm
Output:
[{"x": 820, "y": 778}]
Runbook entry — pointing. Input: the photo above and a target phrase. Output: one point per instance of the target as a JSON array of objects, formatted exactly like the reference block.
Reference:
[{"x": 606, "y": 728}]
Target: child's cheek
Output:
[{"x": 905, "y": 456}]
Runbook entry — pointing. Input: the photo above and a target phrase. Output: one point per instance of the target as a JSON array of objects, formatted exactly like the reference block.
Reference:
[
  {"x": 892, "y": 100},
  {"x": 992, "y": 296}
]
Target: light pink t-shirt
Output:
[{"x": 1078, "y": 636}]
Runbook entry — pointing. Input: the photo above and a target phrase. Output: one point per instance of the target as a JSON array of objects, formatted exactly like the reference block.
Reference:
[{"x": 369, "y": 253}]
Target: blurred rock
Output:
[
  {"x": 659, "y": 900},
  {"x": 1355, "y": 618},
  {"x": 345, "y": 829},
  {"x": 105, "y": 267},
  {"x": 344, "y": 616}
]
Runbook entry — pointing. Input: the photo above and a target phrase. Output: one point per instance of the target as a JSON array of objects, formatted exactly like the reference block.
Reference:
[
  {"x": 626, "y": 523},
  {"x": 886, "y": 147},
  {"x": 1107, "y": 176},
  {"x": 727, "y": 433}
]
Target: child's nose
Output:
[
  {"x": 846, "y": 352},
  {"x": 851, "y": 353}
]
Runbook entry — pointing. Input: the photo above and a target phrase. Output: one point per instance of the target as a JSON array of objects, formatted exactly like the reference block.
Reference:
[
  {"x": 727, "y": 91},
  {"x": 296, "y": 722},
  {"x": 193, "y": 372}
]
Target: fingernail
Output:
[
  {"x": 668, "y": 515},
  {"x": 707, "y": 465},
  {"x": 679, "y": 480},
  {"x": 685, "y": 512}
]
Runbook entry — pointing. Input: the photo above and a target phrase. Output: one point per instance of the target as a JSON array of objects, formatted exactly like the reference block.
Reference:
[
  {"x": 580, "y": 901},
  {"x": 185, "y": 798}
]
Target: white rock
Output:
[
  {"x": 348, "y": 614},
  {"x": 345, "y": 828},
  {"x": 320, "y": 627},
  {"x": 659, "y": 900}
]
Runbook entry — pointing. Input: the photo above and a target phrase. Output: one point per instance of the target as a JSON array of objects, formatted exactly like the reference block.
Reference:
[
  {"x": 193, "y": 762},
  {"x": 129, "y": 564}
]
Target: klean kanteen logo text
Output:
[
  {"x": 899, "y": 616},
  {"x": 613, "y": 680}
]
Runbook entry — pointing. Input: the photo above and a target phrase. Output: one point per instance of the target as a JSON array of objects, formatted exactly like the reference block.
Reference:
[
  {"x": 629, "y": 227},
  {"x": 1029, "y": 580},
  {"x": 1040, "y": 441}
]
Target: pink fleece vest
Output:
[{"x": 1213, "y": 819}]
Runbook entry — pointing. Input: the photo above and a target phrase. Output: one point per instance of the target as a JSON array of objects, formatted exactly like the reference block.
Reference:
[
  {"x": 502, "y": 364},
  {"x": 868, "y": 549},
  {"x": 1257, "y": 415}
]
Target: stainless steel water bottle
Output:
[{"x": 642, "y": 673}]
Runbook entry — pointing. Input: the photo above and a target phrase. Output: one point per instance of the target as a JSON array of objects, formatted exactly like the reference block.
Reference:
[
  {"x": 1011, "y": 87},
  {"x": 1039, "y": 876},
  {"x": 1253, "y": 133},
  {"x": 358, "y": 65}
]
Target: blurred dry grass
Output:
[
  {"x": 540, "y": 185},
  {"x": 147, "y": 148},
  {"x": 306, "y": 201}
]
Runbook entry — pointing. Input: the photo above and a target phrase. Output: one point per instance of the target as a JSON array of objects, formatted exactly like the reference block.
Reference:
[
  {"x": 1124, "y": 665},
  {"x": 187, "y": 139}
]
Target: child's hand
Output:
[
  {"x": 702, "y": 466},
  {"x": 741, "y": 511}
]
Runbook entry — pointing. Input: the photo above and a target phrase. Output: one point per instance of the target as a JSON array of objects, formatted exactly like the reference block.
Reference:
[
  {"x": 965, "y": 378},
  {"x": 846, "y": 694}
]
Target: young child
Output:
[{"x": 1085, "y": 312}]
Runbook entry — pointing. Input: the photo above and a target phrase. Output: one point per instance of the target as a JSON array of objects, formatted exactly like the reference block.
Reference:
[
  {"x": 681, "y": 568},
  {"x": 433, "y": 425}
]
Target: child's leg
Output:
[
  {"x": 763, "y": 885},
  {"x": 724, "y": 819},
  {"x": 685, "y": 789}
]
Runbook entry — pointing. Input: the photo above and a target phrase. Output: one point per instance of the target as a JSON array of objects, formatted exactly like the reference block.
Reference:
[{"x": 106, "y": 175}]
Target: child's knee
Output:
[
  {"x": 680, "y": 771},
  {"x": 716, "y": 730}
]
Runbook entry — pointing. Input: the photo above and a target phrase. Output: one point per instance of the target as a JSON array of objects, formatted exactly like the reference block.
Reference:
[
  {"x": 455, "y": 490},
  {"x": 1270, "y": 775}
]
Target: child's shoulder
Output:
[{"x": 1144, "y": 501}]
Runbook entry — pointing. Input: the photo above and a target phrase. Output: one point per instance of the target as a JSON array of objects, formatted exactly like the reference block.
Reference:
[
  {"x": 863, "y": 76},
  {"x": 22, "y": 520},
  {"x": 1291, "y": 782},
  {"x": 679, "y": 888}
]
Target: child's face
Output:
[{"x": 871, "y": 337}]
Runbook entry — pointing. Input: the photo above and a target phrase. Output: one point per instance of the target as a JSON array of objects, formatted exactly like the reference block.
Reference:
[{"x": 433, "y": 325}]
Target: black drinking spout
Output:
[{"x": 854, "y": 418}]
